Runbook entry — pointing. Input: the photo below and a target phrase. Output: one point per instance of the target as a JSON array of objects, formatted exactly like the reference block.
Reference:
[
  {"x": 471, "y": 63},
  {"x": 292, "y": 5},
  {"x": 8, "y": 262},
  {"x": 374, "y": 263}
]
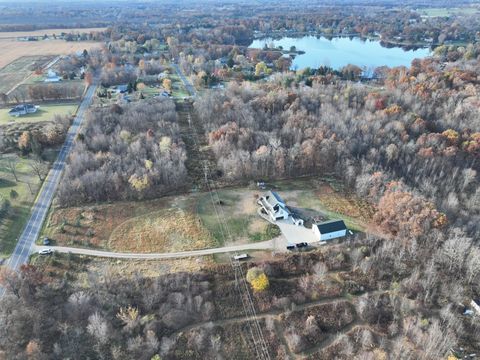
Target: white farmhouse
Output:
[
  {"x": 274, "y": 206},
  {"x": 329, "y": 230}
]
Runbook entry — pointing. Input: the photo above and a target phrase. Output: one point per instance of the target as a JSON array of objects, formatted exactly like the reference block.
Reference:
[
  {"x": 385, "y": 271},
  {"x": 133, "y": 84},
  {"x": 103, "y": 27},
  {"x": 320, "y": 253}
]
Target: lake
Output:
[{"x": 341, "y": 51}]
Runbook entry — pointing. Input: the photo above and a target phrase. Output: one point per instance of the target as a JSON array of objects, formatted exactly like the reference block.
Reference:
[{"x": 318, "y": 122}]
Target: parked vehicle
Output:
[
  {"x": 240, "y": 257},
  {"x": 302, "y": 244},
  {"x": 46, "y": 252},
  {"x": 46, "y": 241},
  {"x": 290, "y": 247}
]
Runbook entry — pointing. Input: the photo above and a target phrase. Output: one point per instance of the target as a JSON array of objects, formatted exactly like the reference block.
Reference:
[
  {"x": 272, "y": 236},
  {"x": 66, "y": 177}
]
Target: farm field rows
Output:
[
  {"x": 16, "y": 71},
  {"x": 16, "y": 34},
  {"x": 12, "y": 50}
]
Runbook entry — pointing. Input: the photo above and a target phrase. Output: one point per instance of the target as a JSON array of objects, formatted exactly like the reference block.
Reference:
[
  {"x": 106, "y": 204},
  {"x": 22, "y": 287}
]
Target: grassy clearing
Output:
[
  {"x": 163, "y": 231},
  {"x": 44, "y": 113},
  {"x": 237, "y": 218},
  {"x": 190, "y": 221},
  {"x": 168, "y": 224},
  {"x": 178, "y": 90},
  {"x": 26, "y": 189}
]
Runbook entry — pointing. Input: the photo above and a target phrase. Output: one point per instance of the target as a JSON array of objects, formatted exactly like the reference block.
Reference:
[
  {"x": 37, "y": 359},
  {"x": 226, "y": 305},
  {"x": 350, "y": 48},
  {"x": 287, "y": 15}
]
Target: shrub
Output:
[{"x": 257, "y": 279}]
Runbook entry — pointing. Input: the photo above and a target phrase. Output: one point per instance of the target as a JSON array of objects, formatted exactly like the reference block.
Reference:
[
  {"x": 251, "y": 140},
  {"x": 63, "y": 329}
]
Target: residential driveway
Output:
[
  {"x": 277, "y": 243},
  {"x": 295, "y": 234}
]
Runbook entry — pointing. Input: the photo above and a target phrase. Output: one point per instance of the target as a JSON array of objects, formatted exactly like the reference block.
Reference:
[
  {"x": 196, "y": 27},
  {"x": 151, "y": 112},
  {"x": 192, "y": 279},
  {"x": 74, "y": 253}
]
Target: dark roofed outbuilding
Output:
[{"x": 330, "y": 229}]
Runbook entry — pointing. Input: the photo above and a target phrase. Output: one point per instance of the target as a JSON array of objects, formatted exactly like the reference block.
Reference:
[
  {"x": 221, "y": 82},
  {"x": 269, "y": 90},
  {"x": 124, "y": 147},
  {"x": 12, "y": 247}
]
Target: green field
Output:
[
  {"x": 26, "y": 188},
  {"x": 231, "y": 215},
  {"x": 44, "y": 113},
  {"x": 178, "y": 90}
]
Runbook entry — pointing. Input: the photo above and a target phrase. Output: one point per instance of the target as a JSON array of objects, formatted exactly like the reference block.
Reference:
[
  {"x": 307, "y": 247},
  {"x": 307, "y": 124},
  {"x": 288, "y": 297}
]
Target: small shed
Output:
[{"x": 329, "y": 230}]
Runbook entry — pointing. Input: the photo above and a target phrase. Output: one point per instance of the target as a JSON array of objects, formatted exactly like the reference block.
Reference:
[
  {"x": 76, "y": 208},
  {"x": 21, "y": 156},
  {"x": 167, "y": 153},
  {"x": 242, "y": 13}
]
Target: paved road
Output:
[
  {"x": 185, "y": 81},
  {"x": 277, "y": 243},
  {"x": 26, "y": 242}
]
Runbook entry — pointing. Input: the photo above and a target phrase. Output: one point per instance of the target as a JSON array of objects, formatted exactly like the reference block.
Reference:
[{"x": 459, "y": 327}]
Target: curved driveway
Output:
[{"x": 275, "y": 243}]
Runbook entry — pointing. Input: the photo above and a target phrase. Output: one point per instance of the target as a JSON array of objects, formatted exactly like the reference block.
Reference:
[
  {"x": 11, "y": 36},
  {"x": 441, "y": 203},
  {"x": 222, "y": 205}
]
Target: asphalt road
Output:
[
  {"x": 26, "y": 242},
  {"x": 276, "y": 243},
  {"x": 185, "y": 81}
]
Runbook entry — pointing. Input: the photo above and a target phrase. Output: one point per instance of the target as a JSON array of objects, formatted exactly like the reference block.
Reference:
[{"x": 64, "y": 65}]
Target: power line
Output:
[{"x": 241, "y": 284}]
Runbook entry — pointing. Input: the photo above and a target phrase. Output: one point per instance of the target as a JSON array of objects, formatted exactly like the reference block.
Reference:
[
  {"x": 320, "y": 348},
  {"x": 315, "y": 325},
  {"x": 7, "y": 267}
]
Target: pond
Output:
[{"x": 341, "y": 51}]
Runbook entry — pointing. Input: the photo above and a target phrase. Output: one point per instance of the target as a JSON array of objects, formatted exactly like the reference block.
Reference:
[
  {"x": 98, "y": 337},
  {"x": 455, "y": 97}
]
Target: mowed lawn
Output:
[
  {"x": 231, "y": 217},
  {"x": 26, "y": 187},
  {"x": 44, "y": 113}
]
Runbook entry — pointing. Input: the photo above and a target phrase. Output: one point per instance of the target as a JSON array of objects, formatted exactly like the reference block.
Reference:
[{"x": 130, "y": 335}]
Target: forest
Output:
[{"x": 125, "y": 152}]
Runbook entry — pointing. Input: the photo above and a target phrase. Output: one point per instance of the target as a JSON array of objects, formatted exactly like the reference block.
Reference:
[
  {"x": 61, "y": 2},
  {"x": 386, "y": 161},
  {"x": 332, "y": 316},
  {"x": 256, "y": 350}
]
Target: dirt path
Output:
[{"x": 198, "y": 153}]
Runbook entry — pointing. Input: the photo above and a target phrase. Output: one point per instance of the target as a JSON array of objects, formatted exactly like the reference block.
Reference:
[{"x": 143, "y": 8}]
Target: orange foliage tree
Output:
[{"x": 400, "y": 211}]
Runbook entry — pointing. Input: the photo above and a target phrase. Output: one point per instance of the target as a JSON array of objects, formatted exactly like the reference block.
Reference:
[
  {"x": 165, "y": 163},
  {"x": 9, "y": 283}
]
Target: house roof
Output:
[
  {"x": 273, "y": 198},
  {"x": 331, "y": 226}
]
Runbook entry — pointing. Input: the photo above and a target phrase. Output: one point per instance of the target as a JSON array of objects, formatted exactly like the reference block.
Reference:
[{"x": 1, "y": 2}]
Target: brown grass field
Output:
[
  {"x": 189, "y": 221},
  {"x": 16, "y": 34},
  {"x": 12, "y": 49}
]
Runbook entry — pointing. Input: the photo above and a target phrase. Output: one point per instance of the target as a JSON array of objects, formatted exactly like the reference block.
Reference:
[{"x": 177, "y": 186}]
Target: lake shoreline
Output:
[
  {"x": 313, "y": 51},
  {"x": 401, "y": 44}
]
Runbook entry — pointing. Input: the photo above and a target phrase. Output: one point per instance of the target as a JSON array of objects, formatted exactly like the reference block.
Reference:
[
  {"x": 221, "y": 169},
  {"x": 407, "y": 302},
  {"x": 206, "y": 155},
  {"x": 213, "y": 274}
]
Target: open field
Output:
[
  {"x": 190, "y": 221},
  {"x": 12, "y": 49},
  {"x": 236, "y": 208},
  {"x": 26, "y": 189},
  {"x": 48, "y": 32},
  {"x": 44, "y": 113},
  {"x": 444, "y": 12},
  {"x": 18, "y": 70},
  {"x": 169, "y": 224}
]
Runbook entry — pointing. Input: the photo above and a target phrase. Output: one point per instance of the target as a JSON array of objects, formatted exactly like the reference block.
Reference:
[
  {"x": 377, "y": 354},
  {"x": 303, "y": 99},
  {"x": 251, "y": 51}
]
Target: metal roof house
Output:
[
  {"x": 274, "y": 206},
  {"x": 329, "y": 230}
]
